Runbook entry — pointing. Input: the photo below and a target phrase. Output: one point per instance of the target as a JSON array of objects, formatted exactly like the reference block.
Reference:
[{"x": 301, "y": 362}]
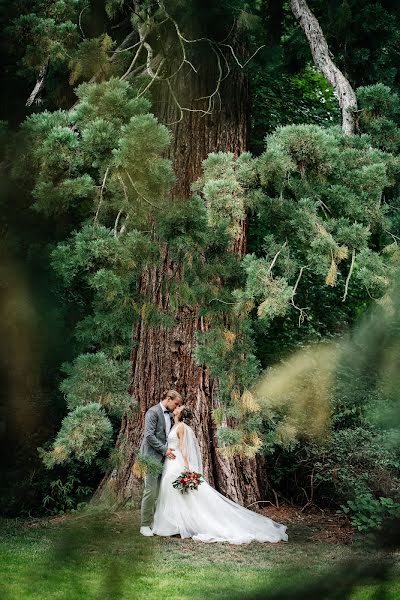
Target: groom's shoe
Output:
[{"x": 146, "y": 531}]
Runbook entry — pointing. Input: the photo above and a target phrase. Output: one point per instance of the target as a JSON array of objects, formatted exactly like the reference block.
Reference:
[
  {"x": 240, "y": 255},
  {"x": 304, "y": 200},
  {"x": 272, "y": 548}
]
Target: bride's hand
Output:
[{"x": 170, "y": 454}]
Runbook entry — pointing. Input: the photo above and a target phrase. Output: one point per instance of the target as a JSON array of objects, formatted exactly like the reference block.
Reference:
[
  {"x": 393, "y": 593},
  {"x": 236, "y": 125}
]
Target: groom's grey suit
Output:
[{"x": 154, "y": 445}]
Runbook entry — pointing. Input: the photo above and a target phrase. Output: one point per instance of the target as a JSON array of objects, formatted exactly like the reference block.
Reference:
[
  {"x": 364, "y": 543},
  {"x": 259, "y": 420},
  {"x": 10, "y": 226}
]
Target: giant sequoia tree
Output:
[{"x": 205, "y": 103}]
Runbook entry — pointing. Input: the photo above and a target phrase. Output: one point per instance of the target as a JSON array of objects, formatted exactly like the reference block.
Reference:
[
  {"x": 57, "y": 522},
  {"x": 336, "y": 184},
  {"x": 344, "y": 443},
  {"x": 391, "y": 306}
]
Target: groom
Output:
[{"x": 157, "y": 424}]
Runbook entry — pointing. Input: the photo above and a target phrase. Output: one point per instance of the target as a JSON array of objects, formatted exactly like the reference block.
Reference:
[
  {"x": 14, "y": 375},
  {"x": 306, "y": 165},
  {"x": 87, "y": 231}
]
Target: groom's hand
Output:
[{"x": 170, "y": 454}]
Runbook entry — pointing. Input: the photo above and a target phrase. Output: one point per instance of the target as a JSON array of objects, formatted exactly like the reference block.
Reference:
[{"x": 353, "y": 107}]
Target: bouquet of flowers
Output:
[{"x": 188, "y": 480}]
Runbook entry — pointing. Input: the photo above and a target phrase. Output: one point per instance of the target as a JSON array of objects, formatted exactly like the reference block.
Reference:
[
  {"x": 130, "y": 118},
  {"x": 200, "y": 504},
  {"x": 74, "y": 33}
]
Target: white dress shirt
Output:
[{"x": 167, "y": 419}]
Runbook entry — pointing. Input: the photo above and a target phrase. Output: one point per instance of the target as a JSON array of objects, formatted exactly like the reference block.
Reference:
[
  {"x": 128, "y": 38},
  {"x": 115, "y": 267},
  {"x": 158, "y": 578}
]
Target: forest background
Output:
[{"x": 181, "y": 208}]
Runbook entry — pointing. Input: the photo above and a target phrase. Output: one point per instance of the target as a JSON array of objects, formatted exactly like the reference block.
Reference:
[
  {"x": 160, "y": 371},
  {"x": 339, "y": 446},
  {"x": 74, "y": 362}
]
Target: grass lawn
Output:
[{"x": 99, "y": 556}]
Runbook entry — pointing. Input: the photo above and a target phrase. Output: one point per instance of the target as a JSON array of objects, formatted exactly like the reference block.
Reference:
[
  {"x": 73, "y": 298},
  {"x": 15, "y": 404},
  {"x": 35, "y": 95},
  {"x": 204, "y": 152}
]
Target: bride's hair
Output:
[{"x": 186, "y": 414}]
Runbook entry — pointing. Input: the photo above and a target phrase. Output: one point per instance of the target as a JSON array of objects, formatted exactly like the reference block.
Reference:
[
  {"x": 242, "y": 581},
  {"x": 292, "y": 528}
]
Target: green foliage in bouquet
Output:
[{"x": 188, "y": 481}]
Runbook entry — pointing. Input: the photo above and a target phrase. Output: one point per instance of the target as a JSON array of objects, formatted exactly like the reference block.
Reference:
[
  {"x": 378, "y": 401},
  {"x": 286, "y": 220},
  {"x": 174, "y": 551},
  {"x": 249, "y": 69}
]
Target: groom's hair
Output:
[{"x": 171, "y": 394}]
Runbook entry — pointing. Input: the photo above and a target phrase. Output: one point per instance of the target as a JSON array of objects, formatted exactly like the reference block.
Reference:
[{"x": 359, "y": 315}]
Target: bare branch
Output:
[
  {"x": 141, "y": 44},
  {"x": 262, "y": 502},
  {"x": 116, "y": 223},
  {"x": 38, "y": 85},
  {"x": 138, "y": 193},
  {"x": 80, "y": 21},
  {"x": 222, "y": 301},
  {"x": 323, "y": 61},
  {"x": 101, "y": 193},
  {"x": 152, "y": 80},
  {"x": 325, "y": 208},
  {"x": 346, "y": 288},
  {"x": 182, "y": 45},
  {"x": 302, "y": 311},
  {"x": 119, "y": 50},
  {"x": 216, "y": 91},
  {"x": 395, "y": 237},
  {"x": 236, "y": 58},
  {"x": 229, "y": 32},
  {"x": 271, "y": 266},
  {"x": 127, "y": 203},
  {"x": 123, "y": 227},
  {"x": 182, "y": 108},
  {"x": 149, "y": 59},
  {"x": 124, "y": 188}
]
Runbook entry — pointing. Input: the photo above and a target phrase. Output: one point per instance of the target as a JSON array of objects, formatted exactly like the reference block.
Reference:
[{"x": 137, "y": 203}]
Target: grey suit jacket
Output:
[{"x": 154, "y": 443}]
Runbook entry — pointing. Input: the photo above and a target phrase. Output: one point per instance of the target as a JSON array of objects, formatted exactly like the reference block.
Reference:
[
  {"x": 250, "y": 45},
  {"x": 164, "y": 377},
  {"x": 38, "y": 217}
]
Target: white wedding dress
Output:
[{"x": 204, "y": 514}]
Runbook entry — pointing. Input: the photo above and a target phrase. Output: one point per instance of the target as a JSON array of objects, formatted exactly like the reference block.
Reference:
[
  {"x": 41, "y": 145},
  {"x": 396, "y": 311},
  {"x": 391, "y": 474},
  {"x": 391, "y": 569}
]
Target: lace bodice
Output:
[{"x": 173, "y": 440}]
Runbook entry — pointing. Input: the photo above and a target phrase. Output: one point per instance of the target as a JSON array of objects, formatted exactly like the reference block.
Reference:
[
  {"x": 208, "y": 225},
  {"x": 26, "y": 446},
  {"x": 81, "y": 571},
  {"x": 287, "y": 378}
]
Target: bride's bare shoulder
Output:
[{"x": 180, "y": 428}]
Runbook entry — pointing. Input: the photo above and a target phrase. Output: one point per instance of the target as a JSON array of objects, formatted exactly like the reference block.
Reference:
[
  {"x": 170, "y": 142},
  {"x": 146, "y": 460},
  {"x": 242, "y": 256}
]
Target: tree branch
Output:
[
  {"x": 236, "y": 58},
  {"x": 38, "y": 85},
  {"x": 138, "y": 193},
  {"x": 302, "y": 311},
  {"x": 129, "y": 69},
  {"x": 346, "y": 288},
  {"x": 271, "y": 266},
  {"x": 101, "y": 194},
  {"x": 322, "y": 59}
]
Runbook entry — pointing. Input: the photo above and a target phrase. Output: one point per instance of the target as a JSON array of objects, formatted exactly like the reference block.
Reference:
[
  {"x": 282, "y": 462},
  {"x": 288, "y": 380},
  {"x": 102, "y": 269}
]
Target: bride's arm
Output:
[{"x": 181, "y": 433}]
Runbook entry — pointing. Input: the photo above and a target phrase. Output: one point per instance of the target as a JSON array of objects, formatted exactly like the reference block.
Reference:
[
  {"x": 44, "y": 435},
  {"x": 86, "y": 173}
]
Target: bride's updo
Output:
[{"x": 186, "y": 414}]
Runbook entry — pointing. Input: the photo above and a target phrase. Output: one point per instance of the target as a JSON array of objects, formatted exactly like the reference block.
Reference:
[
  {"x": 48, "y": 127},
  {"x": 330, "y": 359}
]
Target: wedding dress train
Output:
[{"x": 205, "y": 514}]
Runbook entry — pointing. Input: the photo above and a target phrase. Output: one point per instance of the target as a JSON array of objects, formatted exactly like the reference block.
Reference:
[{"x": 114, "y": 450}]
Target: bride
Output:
[{"x": 203, "y": 514}]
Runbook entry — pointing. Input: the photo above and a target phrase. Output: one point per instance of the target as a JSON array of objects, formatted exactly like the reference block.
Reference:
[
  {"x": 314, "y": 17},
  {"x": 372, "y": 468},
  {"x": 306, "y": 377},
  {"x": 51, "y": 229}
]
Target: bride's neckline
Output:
[{"x": 174, "y": 426}]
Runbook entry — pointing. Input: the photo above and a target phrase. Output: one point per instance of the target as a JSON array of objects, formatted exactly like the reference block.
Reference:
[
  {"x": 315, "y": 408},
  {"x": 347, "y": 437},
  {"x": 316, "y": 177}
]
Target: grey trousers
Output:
[{"x": 149, "y": 499}]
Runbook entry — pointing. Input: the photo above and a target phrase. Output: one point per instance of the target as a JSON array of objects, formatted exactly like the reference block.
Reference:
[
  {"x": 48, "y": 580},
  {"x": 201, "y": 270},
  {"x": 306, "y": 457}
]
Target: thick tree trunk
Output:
[
  {"x": 162, "y": 357},
  {"x": 322, "y": 59}
]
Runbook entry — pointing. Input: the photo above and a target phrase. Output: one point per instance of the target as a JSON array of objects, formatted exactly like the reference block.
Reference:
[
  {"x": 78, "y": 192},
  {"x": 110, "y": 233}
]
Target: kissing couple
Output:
[{"x": 203, "y": 514}]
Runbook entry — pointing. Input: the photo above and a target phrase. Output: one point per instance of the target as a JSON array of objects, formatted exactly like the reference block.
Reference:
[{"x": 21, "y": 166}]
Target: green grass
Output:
[{"x": 99, "y": 556}]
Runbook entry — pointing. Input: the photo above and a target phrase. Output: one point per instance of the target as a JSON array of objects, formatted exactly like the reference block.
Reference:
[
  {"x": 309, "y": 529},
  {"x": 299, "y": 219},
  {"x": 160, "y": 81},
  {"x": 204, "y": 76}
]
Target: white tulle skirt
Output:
[{"x": 207, "y": 516}]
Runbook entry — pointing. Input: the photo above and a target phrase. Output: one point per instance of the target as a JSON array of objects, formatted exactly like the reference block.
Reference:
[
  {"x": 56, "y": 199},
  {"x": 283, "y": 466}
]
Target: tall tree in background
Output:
[{"x": 203, "y": 97}]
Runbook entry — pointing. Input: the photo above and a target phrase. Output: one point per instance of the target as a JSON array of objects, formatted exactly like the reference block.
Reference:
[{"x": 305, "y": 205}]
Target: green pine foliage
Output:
[
  {"x": 349, "y": 239},
  {"x": 102, "y": 164},
  {"x": 46, "y": 30},
  {"x": 321, "y": 213},
  {"x": 323, "y": 230},
  {"x": 379, "y": 116},
  {"x": 95, "y": 378},
  {"x": 83, "y": 433}
]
